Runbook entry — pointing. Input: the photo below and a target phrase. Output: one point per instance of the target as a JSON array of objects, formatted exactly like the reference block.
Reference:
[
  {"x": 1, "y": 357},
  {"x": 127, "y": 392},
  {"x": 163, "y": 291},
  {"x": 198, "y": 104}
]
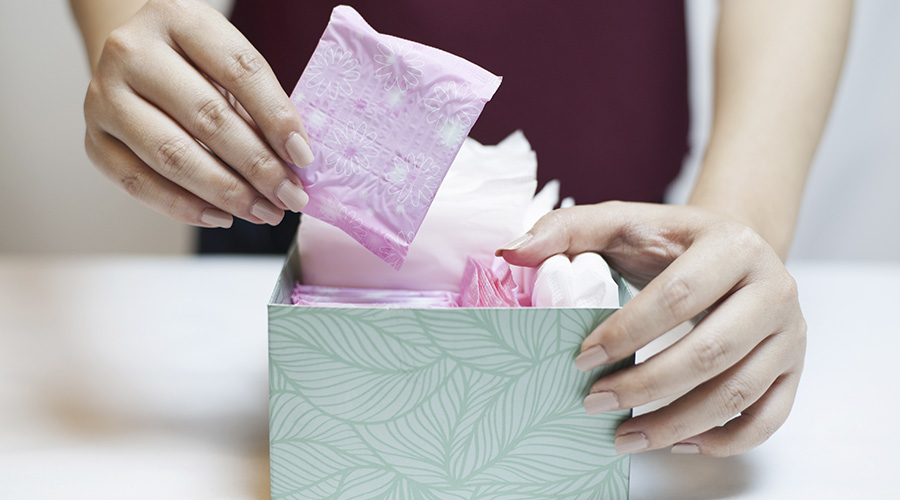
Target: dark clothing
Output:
[{"x": 599, "y": 88}]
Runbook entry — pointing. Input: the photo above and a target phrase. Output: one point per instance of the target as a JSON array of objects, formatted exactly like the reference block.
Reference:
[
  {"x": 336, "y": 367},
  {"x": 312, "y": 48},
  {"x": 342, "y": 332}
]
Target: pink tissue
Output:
[
  {"x": 386, "y": 117},
  {"x": 484, "y": 286}
]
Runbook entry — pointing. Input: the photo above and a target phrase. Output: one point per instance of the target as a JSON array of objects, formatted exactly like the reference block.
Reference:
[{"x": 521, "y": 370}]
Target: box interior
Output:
[{"x": 290, "y": 274}]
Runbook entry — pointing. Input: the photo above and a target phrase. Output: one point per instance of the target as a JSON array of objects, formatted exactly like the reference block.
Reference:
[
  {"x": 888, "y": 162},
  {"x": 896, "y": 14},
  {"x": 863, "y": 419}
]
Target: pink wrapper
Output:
[
  {"x": 305, "y": 295},
  {"x": 484, "y": 286},
  {"x": 386, "y": 117}
]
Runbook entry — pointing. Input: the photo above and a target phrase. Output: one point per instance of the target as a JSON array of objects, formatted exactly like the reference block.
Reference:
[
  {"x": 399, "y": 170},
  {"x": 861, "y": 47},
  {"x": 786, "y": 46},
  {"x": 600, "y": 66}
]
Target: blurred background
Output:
[{"x": 53, "y": 201}]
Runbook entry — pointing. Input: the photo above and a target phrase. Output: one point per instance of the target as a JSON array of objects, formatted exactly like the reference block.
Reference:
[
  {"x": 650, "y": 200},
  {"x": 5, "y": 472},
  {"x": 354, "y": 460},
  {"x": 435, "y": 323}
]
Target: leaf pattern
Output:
[{"x": 437, "y": 404}]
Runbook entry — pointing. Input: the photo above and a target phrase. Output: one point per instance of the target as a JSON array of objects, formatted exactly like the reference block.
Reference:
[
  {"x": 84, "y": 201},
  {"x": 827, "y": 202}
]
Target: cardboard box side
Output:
[
  {"x": 438, "y": 403},
  {"x": 414, "y": 363},
  {"x": 290, "y": 274},
  {"x": 624, "y": 290}
]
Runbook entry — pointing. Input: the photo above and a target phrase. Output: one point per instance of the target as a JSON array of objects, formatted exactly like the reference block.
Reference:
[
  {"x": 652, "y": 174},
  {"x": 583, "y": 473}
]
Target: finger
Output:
[
  {"x": 693, "y": 282},
  {"x": 573, "y": 230},
  {"x": 718, "y": 342},
  {"x": 608, "y": 227},
  {"x": 192, "y": 101},
  {"x": 163, "y": 145},
  {"x": 134, "y": 177},
  {"x": 242, "y": 111},
  {"x": 235, "y": 64},
  {"x": 714, "y": 401},
  {"x": 753, "y": 427}
]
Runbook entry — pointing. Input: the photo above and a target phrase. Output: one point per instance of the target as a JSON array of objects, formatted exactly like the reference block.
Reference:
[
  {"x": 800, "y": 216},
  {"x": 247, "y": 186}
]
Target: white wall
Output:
[
  {"x": 851, "y": 209},
  {"x": 852, "y": 203},
  {"x": 53, "y": 201}
]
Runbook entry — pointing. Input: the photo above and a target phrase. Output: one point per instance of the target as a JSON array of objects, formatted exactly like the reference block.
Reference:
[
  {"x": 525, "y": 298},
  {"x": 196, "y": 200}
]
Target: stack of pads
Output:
[{"x": 405, "y": 210}]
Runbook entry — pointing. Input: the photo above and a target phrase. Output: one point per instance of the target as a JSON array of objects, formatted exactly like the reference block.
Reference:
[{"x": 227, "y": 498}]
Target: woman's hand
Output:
[
  {"x": 178, "y": 76},
  {"x": 744, "y": 357}
]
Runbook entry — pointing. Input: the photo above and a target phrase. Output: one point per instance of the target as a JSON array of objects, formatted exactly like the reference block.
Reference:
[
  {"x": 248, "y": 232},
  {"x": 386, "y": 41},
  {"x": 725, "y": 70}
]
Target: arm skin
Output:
[
  {"x": 777, "y": 68},
  {"x": 735, "y": 375},
  {"x": 98, "y": 18}
]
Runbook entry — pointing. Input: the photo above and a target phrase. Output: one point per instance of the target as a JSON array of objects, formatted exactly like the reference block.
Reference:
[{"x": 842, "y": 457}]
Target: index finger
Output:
[
  {"x": 610, "y": 228},
  {"x": 692, "y": 283},
  {"x": 690, "y": 261},
  {"x": 229, "y": 59}
]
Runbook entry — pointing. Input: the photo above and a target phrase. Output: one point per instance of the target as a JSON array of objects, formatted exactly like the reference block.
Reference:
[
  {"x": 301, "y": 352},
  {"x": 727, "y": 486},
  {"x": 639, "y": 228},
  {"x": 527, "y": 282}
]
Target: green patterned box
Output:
[{"x": 394, "y": 403}]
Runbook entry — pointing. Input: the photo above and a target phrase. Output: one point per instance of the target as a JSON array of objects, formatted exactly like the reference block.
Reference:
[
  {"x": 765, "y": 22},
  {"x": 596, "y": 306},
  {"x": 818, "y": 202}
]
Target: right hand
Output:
[
  {"x": 736, "y": 373},
  {"x": 176, "y": 75}
]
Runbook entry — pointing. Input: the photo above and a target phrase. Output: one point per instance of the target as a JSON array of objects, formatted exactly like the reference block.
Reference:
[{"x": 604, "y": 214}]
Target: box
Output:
[{"x": 395, "y": 403}]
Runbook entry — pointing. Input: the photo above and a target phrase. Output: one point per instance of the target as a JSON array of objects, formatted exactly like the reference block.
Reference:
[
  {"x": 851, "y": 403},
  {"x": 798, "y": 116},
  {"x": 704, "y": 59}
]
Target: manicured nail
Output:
[
  {"x": 632, "y": 442},
  {"x": 298, "y": 149},
  {"x": 268, "y": 212},
  {"x": 686, "y": 449},
  {"x": 215, "y": 218},
  {"x": 591, "y": 358},
  {"x": 292, "y": 195},
  {"x": 514, "y": 244},
  {"x": 600, "y": 402}
]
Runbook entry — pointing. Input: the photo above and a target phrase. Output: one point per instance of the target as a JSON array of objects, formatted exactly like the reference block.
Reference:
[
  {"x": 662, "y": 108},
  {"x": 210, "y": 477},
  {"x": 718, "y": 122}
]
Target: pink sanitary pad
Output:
[
  {"x": 323, "y": 296},
  {"x": 477, "y": 209},
  {"x": 386, "y": 117},
  {"x": 484, "y": 286},
  {"x": 481, "y": 286}
]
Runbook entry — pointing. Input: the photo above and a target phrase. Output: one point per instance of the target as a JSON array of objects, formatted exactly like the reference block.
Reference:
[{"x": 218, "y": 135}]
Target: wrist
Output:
[{"x": 776, "y": 229}]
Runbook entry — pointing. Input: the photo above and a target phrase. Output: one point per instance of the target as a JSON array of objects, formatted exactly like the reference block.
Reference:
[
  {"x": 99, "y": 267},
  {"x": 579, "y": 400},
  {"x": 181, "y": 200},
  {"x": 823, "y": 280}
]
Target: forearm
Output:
[
  {"x": 98, "y": 18},
  {"x": 777, "y": 66}
]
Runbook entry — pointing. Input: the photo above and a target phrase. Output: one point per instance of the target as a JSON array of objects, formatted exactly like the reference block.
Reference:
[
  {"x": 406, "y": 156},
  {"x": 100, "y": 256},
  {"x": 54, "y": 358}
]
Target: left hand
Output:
[
  {"x": 186, "y": 116},
  {"x": 743, "y": 358}
]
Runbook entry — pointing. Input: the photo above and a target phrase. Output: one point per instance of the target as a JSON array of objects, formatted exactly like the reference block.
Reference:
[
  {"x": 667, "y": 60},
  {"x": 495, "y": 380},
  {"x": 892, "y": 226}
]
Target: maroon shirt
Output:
[{"x": 598, "y": 87}]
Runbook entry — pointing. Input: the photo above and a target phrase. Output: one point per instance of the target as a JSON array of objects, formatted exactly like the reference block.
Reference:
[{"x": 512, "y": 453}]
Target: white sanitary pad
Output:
[{"x": 585, "y": 281}]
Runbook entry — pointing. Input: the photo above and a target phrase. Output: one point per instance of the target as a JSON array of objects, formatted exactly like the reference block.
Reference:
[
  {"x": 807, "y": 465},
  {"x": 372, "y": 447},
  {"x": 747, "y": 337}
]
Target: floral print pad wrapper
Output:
[{"x": 385, "y": 117}]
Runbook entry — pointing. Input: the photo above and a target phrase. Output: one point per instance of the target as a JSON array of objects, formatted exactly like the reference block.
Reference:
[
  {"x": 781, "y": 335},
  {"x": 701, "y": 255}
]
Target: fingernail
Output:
[
  {"x": 591, "y": 358},
  {"x": 215, "y": 218},
  {"x": 264, "y": 210},
  {"x": 298, "y": 149},
  {"x": 514, "y": 244},
  {"x": 292, "y": 195},
  {"x": 600, "y": 402},
  {"x": 685, "y": 449},
  {"x": 631, "y": 443}
]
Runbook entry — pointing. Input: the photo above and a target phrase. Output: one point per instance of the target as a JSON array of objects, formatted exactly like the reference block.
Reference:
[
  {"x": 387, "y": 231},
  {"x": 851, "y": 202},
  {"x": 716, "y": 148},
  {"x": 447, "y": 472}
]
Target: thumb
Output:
[{"x": 574, "y": 230}]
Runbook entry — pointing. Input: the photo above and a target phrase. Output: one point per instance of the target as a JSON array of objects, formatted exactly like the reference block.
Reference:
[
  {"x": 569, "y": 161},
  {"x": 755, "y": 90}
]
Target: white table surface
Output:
[{"x": 146, "y": 377}]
